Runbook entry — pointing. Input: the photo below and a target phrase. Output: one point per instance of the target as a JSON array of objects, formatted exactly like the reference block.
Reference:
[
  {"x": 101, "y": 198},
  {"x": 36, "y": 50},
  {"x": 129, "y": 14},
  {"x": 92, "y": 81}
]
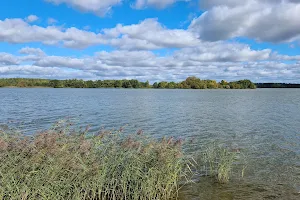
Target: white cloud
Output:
[
  {"x": 8, "y": 59},
  {"x": 102, "y": 7},
  {"x": 223, "y": 52},
  {"x": 32, "y": 18},
  {"x": 32, "y": 51},
  {"x": 146, "y": 35},
  {"x": 263, "y": 20},
  {"x": 51, "y": 21},
  {"x": 59, "y": 61},
  {"x": 159, "y": 4},
  {"x": 202, "y": 50},
  {"x": 260, "y": 20},
  {"x": 31, "y": 71},
  {"x": 125, "y": 42},
  {"x": 208, "y": 4},
  {"x": 151, "y": 32},
  {"x": 218, "y": 60},
  {"x": 19, "y": 31},
  {"x": 140, "y": 4},
  {"x": 99, "y": 7}
]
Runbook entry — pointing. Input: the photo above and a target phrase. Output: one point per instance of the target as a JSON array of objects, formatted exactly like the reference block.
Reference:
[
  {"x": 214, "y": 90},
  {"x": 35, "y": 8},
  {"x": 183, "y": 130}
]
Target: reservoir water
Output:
[{"x": 263, "y": 123}]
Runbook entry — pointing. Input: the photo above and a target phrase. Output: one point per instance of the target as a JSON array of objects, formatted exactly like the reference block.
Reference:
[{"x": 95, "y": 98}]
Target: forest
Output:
[{"x": 189, "y": 83}]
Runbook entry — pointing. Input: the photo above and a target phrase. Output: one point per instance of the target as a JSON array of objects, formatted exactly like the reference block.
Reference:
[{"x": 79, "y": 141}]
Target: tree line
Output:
[
  {"x": 277, "y": 85},
  {"x": 189, "y": 83}
]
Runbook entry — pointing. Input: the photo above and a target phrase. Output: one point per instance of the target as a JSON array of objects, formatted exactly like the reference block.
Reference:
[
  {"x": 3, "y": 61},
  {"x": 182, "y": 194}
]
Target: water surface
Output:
[{"x": 264, "y": 123}]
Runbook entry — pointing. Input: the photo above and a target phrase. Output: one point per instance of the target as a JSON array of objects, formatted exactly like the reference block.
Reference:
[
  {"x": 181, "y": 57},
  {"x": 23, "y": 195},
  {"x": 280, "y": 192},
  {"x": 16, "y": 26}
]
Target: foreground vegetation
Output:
[
  {"x": 64, "y": 163},
  {"x": 189, "y": 83}
]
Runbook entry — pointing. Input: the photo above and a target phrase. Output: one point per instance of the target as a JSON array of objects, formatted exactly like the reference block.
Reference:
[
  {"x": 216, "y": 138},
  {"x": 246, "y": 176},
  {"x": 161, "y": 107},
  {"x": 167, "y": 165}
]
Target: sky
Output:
[{"x": 151, "y": 40}]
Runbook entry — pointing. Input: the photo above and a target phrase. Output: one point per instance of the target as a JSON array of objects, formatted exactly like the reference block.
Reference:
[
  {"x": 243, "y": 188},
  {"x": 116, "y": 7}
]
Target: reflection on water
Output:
[{"x": 263, "y": 123}]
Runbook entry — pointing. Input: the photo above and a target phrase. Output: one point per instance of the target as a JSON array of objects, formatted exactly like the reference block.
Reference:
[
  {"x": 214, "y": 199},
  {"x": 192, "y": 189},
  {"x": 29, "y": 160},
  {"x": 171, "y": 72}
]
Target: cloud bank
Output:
[{"x": 148, "y": 50}]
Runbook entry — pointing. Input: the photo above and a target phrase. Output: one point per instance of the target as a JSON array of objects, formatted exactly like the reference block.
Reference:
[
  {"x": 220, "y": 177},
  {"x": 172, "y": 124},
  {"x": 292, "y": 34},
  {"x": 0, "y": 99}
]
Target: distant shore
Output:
[
  {"x": 25, "y": 87},
  {"x": 277, "y": 85},
  {"x": 189, "y": 83}
]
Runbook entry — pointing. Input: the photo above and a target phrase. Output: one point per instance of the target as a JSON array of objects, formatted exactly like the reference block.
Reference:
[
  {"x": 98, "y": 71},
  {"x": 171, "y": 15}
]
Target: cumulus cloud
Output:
[
  {"x": 8, "y": 59},
  {"x": 263, "y": 20},
  {"x": 51, "y": 21},
  {"x": 99, "y": 7},
  {"x": 151, "y": 32},
  {"x": 19, "y": 31},
  {"x": 223, "y": 52},
  {"x": 159, "y": 4},
  {"x": 145, "y": 35},
  {"x": 203, "y": 50},
  {"x": 59, "y": 61},
  {"x": 32, "y": 51},
  {"x": 32, "y": 18},
  {"x": 102, "y": 7},
  {"x": 217, "y": 60},
  {"x": 31, "y": 71},
  {"x": 208, "y": 4}
]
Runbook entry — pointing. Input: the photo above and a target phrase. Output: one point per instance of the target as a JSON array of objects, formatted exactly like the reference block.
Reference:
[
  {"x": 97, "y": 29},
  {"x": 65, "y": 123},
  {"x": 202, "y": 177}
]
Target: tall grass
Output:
[
  {"x": 219, "y": 162},
  {"x": 64, "y": 164}
]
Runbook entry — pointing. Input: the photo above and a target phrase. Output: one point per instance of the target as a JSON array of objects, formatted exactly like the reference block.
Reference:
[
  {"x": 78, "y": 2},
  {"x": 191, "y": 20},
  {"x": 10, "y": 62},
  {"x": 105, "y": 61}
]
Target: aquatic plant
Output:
[
  {"x": 218, "y": 161},
  {"x": 62, "y": 163}
]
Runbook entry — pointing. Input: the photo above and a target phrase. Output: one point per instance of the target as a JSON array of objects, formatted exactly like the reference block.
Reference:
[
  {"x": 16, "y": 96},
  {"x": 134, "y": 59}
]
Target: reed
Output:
[
  {"x": 61, "y": 163},
  {"x": 219, "y": 162}
]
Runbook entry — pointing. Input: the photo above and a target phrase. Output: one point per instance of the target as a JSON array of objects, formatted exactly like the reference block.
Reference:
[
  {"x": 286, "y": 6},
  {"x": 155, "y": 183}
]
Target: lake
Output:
[{"x": 263, "y": 123}]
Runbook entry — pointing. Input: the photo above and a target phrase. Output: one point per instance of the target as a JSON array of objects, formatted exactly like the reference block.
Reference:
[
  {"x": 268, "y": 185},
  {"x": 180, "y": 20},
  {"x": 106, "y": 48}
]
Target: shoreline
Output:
[{"x": 41, "y": 87}]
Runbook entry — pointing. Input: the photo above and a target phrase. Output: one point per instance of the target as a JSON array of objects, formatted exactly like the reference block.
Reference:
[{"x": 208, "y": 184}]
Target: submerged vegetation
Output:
[
  {"x": 65, "y": 163},
  {"x": 189, "y": 83}
]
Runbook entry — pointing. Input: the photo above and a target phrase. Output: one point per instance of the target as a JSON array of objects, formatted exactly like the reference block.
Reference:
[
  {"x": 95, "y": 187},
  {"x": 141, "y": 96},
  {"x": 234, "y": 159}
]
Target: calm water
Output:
[{"x": 264, "y": 123}]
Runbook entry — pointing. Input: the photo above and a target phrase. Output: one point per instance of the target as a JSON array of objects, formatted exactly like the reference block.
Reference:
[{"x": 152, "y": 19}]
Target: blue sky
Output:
[{"x": 151, "y": 39}]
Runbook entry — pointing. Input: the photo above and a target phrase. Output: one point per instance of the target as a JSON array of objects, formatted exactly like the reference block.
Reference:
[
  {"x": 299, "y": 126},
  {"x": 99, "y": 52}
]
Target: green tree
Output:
[
  {"x": 98, "y": 84},
  {"x": 134, "y": 83},
  {"x": 162, "y": 84},
  {"x": 190, "y": 82},
  {"x": 108, "y": 84},
  {"x": 56, "y": 84},
  {"x": 126, "y": 84},
  {"x": 147, "y": 84},
  {"x": 90, "y": 84},
  {"x": 118, "y": 84},
  {"x": 172, "y": 85}
]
